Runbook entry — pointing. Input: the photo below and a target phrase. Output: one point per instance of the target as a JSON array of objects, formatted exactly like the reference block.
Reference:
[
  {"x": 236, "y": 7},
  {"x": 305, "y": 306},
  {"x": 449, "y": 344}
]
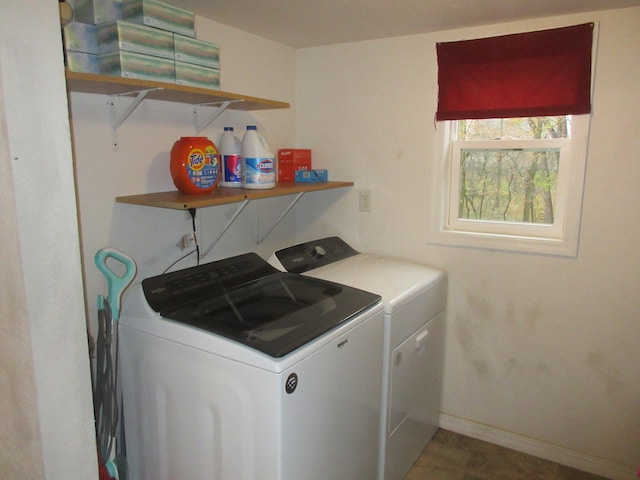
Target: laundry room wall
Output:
[
  {"x": 541, "y": 352},
  {"x": 46, "y": 414},
  {"x": 250, "y": 66}
]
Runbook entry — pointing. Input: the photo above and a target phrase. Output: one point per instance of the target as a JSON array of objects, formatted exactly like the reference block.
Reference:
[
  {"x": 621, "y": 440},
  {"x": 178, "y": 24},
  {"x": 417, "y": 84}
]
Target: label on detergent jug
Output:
[
  {"x": 259, "y": 171},
  {"x": 232, "y": 168},
  {"x": 203, "y": 167}
]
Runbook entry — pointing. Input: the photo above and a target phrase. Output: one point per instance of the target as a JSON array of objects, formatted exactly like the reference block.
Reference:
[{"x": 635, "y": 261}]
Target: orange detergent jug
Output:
[{"x": 195, "y": 165}]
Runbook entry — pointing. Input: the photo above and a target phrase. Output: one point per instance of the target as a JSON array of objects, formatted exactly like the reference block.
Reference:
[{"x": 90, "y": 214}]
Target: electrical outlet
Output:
[
  {"x": 365, "y": 200},
  {"x": 188, "y": 240}
]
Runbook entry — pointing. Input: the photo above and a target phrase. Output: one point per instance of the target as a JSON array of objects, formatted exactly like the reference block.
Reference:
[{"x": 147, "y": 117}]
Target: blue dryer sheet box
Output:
[{"x": 312, "y": 176}]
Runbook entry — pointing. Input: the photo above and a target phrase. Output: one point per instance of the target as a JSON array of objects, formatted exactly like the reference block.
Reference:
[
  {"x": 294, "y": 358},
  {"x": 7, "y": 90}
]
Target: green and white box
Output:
[
  {"x": 80, "y": 37},
  {"x": 82, "y": 62},
  {"x": 95, "y": 12},
  {"x": 160, "y": 15},
  {"x": 194, "y": 75},
  {"x": 198, "y": 52},
  {"x": 136, "y": 38},
  {"x": 135, "y": 65}
]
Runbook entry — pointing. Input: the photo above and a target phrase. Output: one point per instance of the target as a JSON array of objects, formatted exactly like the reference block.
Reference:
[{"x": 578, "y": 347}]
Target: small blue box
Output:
[{"x": 311, "y": 176}]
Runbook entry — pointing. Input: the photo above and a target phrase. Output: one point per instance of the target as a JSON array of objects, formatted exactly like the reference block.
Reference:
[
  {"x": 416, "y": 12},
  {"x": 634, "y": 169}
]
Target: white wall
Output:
[
  {"x": 20, "y": 436},
  {"x": 542, "y": 352},
  {"x": 49, "y": 286}
]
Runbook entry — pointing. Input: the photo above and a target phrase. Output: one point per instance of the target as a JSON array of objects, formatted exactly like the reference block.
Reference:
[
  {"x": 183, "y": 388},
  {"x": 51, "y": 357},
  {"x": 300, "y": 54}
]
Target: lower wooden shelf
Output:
[{"x": 220, "y": 196}]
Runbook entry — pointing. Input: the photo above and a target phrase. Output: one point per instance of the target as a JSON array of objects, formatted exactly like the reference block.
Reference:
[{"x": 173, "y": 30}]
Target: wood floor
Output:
[{"x": 450, "y": 456}]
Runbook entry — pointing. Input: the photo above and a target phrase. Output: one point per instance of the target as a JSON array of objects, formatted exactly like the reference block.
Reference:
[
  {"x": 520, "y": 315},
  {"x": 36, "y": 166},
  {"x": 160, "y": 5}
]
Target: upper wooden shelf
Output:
[
  {"x": 220, "y": 196},
  {"x": 111, "y": 85}
]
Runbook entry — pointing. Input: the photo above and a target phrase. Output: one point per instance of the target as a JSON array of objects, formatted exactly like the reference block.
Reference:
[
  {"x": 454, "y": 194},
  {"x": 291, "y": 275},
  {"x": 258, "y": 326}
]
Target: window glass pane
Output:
[
  {"x": 515, "y": 128},
  {"x": 508, "y": 185}
]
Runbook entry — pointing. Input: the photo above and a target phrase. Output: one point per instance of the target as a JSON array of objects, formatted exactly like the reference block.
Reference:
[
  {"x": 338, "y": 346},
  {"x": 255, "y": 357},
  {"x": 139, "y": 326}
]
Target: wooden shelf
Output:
[
  {"x": 145, "y": 89},
  {"x": 221, "y": 196},
  {"x": 111, "y": 85}
]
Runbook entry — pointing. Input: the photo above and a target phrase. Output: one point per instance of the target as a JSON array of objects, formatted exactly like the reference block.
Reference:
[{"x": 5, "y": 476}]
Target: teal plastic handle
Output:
[{"x": 117, "y": 284}]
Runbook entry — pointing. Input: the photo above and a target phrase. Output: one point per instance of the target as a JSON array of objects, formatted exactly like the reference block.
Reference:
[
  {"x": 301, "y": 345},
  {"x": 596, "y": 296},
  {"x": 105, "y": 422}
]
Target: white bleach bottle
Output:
[
  {"x": 258, "y": 163},
  {"x": 229, "y": 149}
]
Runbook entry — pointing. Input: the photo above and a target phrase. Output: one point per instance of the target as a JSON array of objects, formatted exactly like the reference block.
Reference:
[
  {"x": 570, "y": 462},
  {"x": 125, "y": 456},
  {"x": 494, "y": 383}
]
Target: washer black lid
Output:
[{"x": 245, "y": 299}]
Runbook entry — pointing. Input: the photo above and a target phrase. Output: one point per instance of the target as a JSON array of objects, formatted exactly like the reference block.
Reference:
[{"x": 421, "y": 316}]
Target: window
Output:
[
  {"x": 511, "y": 184},
  {"x": 513, "y": 122}
]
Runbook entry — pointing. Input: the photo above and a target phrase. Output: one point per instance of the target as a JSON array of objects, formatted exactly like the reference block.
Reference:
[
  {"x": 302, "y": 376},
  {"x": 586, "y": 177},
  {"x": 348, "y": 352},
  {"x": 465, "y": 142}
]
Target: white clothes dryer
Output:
[{"x": 414, "y": 299}]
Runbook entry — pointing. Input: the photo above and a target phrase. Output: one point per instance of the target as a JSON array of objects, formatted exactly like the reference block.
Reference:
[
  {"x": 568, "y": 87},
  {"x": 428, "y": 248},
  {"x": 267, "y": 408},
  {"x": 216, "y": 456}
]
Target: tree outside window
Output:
[{"x": 510, "y": 185}]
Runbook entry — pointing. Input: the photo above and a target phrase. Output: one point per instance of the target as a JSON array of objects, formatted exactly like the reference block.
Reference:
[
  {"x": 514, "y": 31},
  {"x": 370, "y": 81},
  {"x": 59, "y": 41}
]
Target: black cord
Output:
[
  {"x": 181, "y": 258},
  {"x": 192, "y": 212}
]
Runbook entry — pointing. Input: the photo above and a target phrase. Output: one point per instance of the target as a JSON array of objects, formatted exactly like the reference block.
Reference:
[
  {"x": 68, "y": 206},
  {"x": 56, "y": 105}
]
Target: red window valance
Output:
[{"x": 542, "y": 73}]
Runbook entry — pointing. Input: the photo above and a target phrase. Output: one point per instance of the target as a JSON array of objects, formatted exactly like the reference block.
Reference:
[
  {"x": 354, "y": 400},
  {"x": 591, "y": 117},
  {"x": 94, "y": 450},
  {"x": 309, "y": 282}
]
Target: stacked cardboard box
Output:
[
  {"x": 136, "y": 51},
  {"x": 163, "y": 16},
  {"x": 145, "y": 39},
  {"x": 95, "y": 12},
  {"x": 81, "y": 47},
  {"x": 291, "y": 160},
  {"x": 197, "y": 62}
]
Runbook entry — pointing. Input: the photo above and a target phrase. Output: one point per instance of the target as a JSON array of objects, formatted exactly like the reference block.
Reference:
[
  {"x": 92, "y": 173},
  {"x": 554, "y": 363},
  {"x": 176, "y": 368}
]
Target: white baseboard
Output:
[{"x": 530, "y": 446}]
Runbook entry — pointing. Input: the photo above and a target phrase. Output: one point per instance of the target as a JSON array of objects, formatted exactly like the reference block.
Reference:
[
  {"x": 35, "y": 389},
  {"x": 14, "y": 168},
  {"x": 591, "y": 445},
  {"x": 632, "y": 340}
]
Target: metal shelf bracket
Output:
[
  {"x": 222, "y": 106},
  {"x": 118, "y": 120},
  {"x": 284, "y": 213},
  {"x": 226, "y": 227},
  {"x": 238, "y": 211}
]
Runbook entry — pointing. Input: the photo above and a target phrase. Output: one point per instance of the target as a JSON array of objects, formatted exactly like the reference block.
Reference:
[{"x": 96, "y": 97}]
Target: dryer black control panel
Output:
[{"x": 315, "y": 254}]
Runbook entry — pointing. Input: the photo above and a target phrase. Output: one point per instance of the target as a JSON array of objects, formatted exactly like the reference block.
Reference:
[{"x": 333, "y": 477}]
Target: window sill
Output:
[{"x": 506, "y": 243}]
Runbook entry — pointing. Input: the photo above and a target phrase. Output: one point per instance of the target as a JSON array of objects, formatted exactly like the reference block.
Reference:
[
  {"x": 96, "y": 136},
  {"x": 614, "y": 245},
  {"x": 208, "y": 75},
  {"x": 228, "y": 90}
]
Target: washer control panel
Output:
[{"x": 315, "y": 254}]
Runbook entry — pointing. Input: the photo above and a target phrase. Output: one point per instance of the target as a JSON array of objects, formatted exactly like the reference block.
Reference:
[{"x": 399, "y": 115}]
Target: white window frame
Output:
[{"x": 560, "y": 238}]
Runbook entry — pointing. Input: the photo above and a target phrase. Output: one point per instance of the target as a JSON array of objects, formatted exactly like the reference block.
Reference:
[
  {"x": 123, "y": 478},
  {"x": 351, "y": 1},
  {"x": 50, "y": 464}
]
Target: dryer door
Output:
[{"x": 415, "y": 369}]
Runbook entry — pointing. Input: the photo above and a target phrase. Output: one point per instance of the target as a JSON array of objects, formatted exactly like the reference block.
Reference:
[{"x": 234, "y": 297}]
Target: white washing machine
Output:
[
  {"x": 414, "y": 298},
  {"x": 234, "y": 370}
]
